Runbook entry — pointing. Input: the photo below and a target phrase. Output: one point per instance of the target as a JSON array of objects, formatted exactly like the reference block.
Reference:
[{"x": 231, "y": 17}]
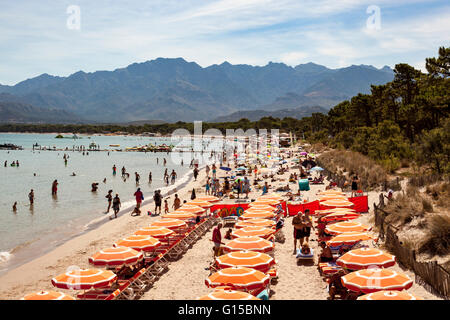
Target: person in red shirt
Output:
[
  {"x": 217, "y": 239},
  {"x": 139, "y": 197}
]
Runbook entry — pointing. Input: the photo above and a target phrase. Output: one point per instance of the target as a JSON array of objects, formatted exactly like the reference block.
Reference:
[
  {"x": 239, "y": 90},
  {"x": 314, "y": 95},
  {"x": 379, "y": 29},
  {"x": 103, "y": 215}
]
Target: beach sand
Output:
[{"x": 185, "y": 278}]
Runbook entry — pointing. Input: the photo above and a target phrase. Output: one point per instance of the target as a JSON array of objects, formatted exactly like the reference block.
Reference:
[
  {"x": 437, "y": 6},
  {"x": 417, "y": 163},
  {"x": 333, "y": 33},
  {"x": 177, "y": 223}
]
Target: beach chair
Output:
[
  {"x": 229, "y": 222},
  {"x": 95, "y": 294},
  {"x": 113, "y": 296},
  {"x": 301, "y": 256},
  {"x": 327, "y": 269},
  {"x": 138, "y": 283}
]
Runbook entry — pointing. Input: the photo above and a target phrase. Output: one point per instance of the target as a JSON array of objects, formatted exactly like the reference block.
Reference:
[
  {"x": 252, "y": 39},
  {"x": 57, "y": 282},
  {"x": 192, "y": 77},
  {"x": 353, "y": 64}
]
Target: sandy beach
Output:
[{"x": 185, "y": 278}]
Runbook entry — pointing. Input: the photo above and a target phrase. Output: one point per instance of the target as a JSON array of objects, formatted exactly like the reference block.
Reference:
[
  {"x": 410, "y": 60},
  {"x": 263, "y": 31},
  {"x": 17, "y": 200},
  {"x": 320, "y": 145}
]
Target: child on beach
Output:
[{"x": 166, "y": 206}]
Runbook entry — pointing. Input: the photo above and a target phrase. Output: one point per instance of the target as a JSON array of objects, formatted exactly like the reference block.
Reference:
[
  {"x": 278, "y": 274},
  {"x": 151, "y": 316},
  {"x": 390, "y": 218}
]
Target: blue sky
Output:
[{"x": 35, "y": 39}]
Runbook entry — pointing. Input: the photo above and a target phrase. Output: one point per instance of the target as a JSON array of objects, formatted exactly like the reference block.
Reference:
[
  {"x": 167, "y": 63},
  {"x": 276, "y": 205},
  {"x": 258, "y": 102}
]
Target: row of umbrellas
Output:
[
  {"x": 125, "y": 252},
  {"x": 370, "y": 275}
]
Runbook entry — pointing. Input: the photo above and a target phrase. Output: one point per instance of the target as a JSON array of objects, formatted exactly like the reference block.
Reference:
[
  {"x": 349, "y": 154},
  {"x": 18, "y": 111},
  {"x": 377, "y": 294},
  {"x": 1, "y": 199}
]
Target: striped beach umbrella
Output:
[
  {"x": 210, "y": 199},
  {"x": 257, "y": 206},
  {"x": 155, "y": 232},
  {"x": 332, "y": 197},
  {"x": 191, "y": 209},
  {"x": 181, "y": 215},
  {"x": 238, "y": 278},
  {"x": 334, "y": 210},
  {"x": 346, "y": 226},
  {"x": 84, "y": 279},
  {"x": 271, "y": 196},
  {"x": 115, "y": 257},
  {"x": 331, "y": 192},
  {"x": 250, "y": 259},
  {"x": 270, "y": 202},
  {"x": 47, "y": 295},
  {"x": 266, "y": 223},
  {"x": 348, "y": 238},
  {"x": 339, "y": 203},
  {"x": 172, "y": 224},
  {"x": 373, "y": 280},
  {"x": 228, "y": 295},
  {"x": 364, "y": 258},
  {"x": 139, "y": 243},
  {"x": 257, "y": 244},
  {"x": 389, "y": 295},
  {"x": 257, "y": 215},
  {"x": 340, "y": 216},
  {"x": 253, "y": 232},
  {"x": 200, "y": 203}
]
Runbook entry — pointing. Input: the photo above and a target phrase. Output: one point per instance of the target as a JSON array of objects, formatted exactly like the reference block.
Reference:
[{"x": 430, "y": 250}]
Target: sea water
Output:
[{"x": 33, "y": 230}]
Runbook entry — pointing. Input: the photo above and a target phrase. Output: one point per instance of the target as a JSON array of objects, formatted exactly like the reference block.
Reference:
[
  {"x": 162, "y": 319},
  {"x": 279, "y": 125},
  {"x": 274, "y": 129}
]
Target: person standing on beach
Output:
[
  {"x": 174, "y": 176},
  {"x": 355, "y": 182},
  {"x": 193, "y": 196},
  {"x": 166, "y": 207},
  {"x": 139, "y": 197},
  {"x": 110, "y": 198},
  {"x": 165, "y": 162},
  {"x": 114, "y": 170},
  {"x": 116, "y": 205},
  {"x": 207, "y": 171},
  {"x": 176, "y": 202},
  {"x": 123, "y": 171},
  {"x": 297, "y": 222},
  {"x": 14, "y": 207},
  {"x": 157, "y": 198},
  {"x": 31, "y": 197},
  {"x": 150, "y": 177},
  {"x": 55, "y": 187},
  {"x": 195, "y": 173},
  {"x": 137, "y": 177},
  {"x": 217, "y": 239},
  {"x": 246, "y": 187},
  {"x": 207, "y": 186}
]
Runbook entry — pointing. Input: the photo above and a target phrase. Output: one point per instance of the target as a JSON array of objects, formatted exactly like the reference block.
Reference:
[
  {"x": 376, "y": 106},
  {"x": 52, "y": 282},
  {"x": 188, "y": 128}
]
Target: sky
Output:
[{"x": 61, "y": 37}]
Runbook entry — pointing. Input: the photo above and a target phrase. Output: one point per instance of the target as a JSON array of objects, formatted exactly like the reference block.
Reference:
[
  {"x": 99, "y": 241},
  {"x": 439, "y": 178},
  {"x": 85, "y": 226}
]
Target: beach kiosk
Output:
[{"x": 303, "y": 184}]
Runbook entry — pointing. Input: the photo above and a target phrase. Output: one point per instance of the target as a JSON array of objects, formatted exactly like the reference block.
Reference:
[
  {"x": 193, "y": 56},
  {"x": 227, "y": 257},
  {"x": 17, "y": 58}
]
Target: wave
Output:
[{"x": 4, "y": 256}]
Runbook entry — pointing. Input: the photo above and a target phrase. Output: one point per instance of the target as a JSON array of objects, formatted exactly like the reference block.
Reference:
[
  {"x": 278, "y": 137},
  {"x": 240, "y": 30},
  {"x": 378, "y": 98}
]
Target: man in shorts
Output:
[
  {"x": 158, "y": 199},
  {"x": 217, "y": 239},
  {"x": 297, "y": 222}
]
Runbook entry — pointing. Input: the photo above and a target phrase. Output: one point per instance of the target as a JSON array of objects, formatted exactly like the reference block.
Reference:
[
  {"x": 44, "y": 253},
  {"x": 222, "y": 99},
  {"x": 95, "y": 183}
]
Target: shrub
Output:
[{"x": 437, "y": 240}]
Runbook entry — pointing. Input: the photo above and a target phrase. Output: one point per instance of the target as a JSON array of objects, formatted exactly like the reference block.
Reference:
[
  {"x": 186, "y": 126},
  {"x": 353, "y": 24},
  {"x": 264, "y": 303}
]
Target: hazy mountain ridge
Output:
[{"x": 174, "y": 89}]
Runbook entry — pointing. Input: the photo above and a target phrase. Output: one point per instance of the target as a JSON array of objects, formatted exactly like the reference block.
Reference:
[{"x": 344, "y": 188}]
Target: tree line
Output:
[{"x": 405, "y": 119}]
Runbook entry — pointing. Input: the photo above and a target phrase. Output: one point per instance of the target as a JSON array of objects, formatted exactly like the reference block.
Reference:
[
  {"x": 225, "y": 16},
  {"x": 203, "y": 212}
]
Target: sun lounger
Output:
[
  {"x": 302, "y": 256},
  {"x": 229, "y": 221},
  {"x": 327, "y": 269}
]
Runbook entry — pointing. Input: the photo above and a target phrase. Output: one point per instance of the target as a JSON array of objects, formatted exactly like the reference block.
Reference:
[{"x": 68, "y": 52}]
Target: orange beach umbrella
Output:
[
  {"x": 253, "y": 231},
  {"x": 389, "y": 295},
  {"x": 340, "y": 216},
  {"x": 259, "y": 215},
  {"x": 372, "y": 280},
  {"x": 228, "y": 295},
  {"x": 139, "y": 243},
  {"x": 210, "y": 199},
  {"x": 331, "y": 192},
  {"x": 250, "y": 259},
  {"x": 47, "y": 295},
  {"x": 179, "y": 215},
  {"x": 240, "y": 278},
  {"x": 249, "y": 243},
  {"x": 155, "y": 232},
  {"x": 84, "y": 279},
  {"x": 348, "y": 238},
  {"x": 346, "y": 226},
  {"x": 116, "y": 257},
  {"x": 258, "y": 206},
  {"x": 266, "y": 223},
  {"x": 332, "y": 197},
  {"x": 200, "y": 203},
  {"x": 364, "y": 258},
  {"x": 270, "y": 202},
  {"x": 172, "y": 224},
  {"x": 337, "y": 203},
  {"x": 334, "y": 210},
  {"x": 191, "y": 209}
]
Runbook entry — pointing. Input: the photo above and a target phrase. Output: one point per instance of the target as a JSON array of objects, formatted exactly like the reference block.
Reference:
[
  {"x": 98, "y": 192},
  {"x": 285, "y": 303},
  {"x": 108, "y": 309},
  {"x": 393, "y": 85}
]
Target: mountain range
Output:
[{"x": 173, "y": 90}]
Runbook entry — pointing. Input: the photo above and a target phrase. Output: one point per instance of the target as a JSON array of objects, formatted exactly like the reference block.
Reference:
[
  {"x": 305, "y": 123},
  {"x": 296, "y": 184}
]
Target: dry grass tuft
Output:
[{"x": 437, "y": 241}]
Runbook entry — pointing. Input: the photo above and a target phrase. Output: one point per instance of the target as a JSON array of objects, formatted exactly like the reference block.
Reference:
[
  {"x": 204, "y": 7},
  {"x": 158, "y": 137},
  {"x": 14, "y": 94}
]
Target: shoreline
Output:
[{"x": 23, "y": 253}]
